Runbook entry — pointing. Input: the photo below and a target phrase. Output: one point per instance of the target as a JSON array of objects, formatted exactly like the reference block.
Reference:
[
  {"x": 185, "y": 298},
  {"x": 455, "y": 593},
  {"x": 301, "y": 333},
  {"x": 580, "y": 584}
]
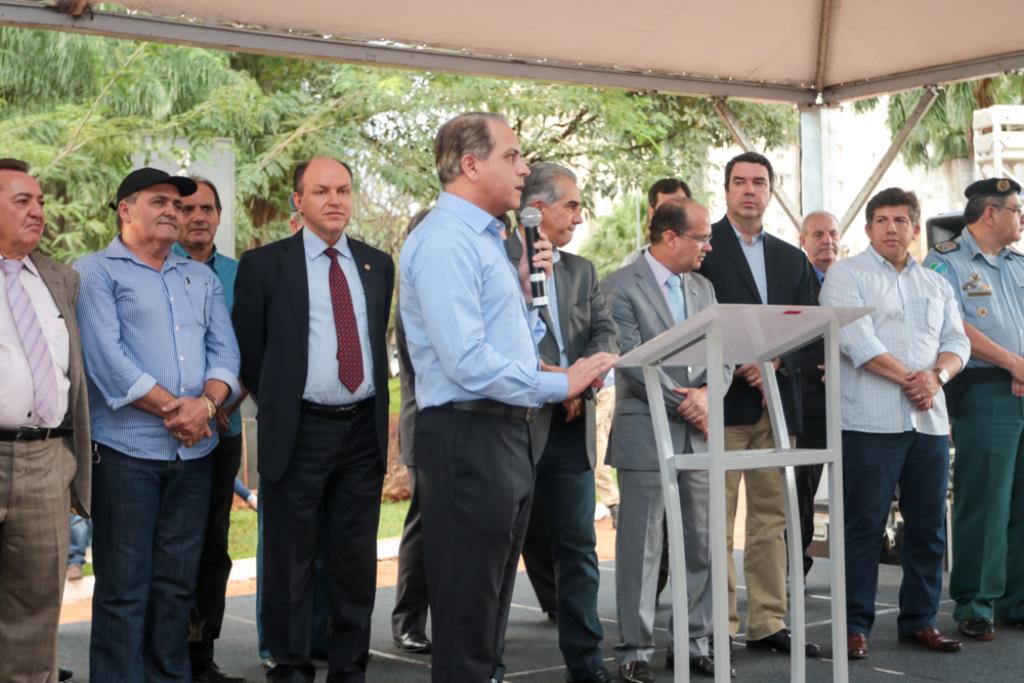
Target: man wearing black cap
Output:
[
  {"x": 987, "y": 407},
  {"x": 160, "y": 358}
]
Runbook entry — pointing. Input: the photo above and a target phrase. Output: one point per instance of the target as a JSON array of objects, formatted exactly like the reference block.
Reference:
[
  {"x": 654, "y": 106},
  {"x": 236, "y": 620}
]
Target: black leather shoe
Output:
[
  {"x": 65, "y": 675},
  {"x": 979, "y": 629},
  {"x": 415, "y": 643},
  {"x": 781, "y": 641},
  {"x": 703, "y": 665},
  {"x": 636, "y": 672},
  {"x": 602, "y": 675},
  {"x": 214, "y": 675}
]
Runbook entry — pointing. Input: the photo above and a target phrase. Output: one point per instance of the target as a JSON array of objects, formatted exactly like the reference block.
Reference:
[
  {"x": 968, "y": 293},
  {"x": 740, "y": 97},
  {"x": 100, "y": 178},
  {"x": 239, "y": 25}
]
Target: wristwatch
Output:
[{"x": 943, "y": 375}]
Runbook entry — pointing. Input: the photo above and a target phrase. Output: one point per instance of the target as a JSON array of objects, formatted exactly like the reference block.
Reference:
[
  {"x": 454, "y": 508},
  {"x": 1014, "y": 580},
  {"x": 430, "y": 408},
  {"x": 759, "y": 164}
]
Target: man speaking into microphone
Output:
[{"x": 472, "y": 341}]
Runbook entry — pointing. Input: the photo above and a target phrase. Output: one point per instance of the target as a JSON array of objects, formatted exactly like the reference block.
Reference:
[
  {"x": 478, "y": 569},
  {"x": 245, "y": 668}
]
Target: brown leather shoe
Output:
[
  {"x": 856, "y": 645},
  {"x": 931, "y": 638}
]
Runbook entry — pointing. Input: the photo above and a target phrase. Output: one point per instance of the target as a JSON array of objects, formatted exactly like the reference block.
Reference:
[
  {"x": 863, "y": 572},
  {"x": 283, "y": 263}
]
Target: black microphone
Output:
[{"x": 529, "y": 218}]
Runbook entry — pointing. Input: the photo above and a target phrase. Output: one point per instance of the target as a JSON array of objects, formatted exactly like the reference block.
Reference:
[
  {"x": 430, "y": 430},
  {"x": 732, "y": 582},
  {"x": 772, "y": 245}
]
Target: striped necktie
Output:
[{"x": 37, "y": 351}]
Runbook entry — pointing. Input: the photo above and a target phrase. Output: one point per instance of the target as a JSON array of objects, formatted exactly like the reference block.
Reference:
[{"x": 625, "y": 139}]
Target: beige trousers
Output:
[
  {"x": 607, "y": 489},
  {"x": 34, "y": 503},
  {"x": 764, "y": 556}
]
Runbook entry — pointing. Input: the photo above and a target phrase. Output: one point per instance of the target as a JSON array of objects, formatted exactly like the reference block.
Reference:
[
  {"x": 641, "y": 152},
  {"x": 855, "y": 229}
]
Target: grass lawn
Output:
[
  {"x": 396, "y": 398},
  {"x": 242, "y": 538}
]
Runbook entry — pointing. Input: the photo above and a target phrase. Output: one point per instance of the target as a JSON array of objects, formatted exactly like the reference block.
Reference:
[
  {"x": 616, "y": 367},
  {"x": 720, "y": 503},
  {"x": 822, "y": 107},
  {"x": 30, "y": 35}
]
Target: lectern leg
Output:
[
  {"x": 719, "y": 573},
  {"x": 837, "y": 562},
  {"x": 797, "y": 615}
]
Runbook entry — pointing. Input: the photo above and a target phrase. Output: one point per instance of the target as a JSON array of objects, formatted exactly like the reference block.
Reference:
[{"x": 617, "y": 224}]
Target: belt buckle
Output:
[
  {"x": 30, "y": 433},
  {"x": 531, "y": 414}
]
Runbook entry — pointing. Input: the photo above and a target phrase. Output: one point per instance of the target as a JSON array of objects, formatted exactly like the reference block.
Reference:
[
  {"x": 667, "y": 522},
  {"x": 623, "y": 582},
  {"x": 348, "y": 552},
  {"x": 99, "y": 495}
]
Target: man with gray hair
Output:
[
  {"x": 561, "y": 525},
  {"x": 472, "y": 342}
]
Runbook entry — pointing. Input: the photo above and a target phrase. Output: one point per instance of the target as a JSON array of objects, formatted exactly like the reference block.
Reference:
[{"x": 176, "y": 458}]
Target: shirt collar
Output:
[
  {"x": 882, "y": 261},
  {"x": 473, "y": 216},
  {"x": 117, "y": 250},
  {"x": 27, "y": 264},
  {"x": 820, "y": 274},
  {"x": 661, "y": 273},
  {"x": 742, "y": 236},
  {"x": 970, "y": 245},
  {"x": 183, "y": 253},
  {"x": 315, "y": 246}
]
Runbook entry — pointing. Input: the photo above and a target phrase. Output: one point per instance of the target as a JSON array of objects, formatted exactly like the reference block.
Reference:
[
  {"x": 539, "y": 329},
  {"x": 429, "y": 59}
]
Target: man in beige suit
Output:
[{"x": 44, "y": 432}]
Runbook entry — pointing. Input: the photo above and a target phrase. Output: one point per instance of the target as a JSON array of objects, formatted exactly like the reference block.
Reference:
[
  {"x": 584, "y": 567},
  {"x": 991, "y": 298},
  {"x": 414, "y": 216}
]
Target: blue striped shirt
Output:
[
  {"x": 466, "y": 323},
  {"x": 226, "y": 269},
  {"x": 142, "y": 327}
]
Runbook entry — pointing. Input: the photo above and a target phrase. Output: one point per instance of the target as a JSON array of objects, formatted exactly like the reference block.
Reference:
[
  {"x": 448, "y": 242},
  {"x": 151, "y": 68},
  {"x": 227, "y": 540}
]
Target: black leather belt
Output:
[
  {"x": 486, "y": 405},
  {"x": 345, "y": 412},
  {"x": 34, "y": 433}
]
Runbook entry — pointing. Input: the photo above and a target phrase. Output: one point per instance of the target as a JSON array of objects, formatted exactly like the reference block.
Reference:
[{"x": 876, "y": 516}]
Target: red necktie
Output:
[{"x": 350, "y": 353}]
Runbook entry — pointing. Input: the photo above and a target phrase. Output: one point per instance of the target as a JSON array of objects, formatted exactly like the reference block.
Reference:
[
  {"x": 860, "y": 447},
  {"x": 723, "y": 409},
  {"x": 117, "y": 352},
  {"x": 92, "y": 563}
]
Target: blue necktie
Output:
[{"x": 676, "y": 303}]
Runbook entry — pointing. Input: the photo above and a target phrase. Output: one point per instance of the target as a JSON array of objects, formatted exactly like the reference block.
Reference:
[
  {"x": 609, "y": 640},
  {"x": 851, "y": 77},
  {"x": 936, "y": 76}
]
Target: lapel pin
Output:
[{"x": 366, "y": 266}]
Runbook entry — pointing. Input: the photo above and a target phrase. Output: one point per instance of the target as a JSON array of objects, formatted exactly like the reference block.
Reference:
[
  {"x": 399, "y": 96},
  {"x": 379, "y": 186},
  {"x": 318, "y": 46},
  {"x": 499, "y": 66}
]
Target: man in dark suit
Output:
[
  {"x": 561, "y": 525},
  {"x": 45, "y": 450},
  {"x": 409, "y": 618},
  {"x": 750, "y": 266},
  {"x": 819, "y": 238},
  {"x": 311, "y": 314}
]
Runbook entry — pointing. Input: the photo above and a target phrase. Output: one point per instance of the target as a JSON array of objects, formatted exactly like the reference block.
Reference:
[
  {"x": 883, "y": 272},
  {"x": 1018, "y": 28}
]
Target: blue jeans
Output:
[
  {"x": 873, "y": 465},
  {"x": 81, "y": 534},
  {"x": 149, "y": 517}
]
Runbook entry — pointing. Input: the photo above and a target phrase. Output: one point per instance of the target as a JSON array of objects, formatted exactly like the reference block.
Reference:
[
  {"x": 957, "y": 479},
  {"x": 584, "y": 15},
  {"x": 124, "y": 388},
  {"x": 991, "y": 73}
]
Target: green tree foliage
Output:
[
  {"x": 614, "y": 236},
  {"x": 946, "y": 132},
  {"x": 78, "y": 107}
]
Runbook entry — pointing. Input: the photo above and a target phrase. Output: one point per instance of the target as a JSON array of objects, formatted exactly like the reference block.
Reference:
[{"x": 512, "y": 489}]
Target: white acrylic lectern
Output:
[{"x": 733, "y": 334}]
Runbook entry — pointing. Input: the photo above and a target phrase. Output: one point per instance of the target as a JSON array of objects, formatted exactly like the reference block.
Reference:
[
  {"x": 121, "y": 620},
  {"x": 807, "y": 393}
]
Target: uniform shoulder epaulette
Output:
[
  {"x": 947, "y": 246},
  {"x": 1016, "y": 252}
]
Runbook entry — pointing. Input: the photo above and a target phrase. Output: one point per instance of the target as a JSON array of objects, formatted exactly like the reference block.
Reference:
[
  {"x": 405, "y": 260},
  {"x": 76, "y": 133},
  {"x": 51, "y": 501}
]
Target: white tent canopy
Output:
[{"x": 801, "y": 51}]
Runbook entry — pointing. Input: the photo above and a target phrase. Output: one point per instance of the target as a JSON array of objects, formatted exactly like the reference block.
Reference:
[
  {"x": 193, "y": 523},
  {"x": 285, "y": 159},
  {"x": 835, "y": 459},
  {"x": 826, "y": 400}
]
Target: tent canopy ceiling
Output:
[{"x": 790, "y": 50}]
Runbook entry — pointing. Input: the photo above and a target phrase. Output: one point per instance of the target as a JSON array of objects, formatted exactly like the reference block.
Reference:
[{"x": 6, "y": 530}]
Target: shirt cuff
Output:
[
  {"x": 142, "y": 386},
  {"x": 960, "y": 350},
  {"x": 552, "y": 387},
  {"x": 229, "y": 378},
  {"x": 864, "y": 350}
]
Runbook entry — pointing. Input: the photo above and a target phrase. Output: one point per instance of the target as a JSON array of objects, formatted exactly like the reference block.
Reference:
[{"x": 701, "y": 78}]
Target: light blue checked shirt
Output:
[
  {"x": 915, "y": 317},
  {"x": 754, "y": 253},
  {"x": 466, "y": 323},
  {"x": 141, "y": 327}
]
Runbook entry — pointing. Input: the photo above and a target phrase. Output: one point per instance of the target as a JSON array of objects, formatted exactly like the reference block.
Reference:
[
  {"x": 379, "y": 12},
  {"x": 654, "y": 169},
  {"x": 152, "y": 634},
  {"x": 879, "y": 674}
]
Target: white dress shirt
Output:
[
  {"x": 916, "y": 317},
  {"x": 16, "y": 399}
]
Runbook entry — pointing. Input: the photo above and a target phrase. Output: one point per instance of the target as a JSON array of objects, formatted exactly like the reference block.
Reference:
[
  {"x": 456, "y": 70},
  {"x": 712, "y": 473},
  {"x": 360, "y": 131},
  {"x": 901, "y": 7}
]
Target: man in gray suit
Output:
[
  {"x": 657, "y": 291},
  {"x": 45, "y": 463},
  {"x": 578, "y": 325}
]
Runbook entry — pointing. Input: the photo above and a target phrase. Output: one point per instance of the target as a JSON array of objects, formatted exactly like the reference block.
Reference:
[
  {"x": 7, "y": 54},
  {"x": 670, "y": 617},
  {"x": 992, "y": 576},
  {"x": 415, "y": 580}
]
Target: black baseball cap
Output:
[{"x": 141, "y": 178}]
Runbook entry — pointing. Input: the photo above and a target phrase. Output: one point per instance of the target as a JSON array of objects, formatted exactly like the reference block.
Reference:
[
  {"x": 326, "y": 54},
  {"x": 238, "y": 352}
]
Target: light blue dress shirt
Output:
[
  {"x": 226, "y": 269},
  {"x": 662, "y": 275},
  {"x": 915, "y": 317},
  {"x": 754, "y": 253},
  {"x": 141, "y": 327},
  {"x": 322, "y": 383},
  {"x": 989, "y": 289},
  {"x": 466, "y": 324}
]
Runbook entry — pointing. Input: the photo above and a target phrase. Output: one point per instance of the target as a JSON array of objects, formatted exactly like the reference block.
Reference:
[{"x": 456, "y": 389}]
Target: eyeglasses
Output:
[
  {"x": 1019, "y": 209},
  {"x": 703, "y": 239}
]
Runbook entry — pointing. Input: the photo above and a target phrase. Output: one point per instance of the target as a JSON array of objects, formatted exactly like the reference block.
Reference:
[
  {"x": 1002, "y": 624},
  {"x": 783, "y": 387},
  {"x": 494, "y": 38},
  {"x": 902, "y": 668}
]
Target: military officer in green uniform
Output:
[{"x": 987, "y": 407}]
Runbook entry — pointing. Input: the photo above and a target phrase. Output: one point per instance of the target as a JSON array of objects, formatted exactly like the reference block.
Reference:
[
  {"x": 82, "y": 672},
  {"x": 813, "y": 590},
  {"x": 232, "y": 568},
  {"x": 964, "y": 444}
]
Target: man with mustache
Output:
[
  {"x": 45, "y": 450},
  {"x": 161, "y": 359}
]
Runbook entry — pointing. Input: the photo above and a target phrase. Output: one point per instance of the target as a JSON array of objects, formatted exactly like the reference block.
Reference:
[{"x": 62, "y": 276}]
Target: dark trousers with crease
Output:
[
  {"x": 562, "y": 518},
  {"x": 215, "y": 563},
  {"x": 410, "y": 613},
  {"x": 335, "y": 471},
  {"x": 873, "y": 465},
  {"x": 807, "y": 479},
  {"x": 475, "y": 481}
]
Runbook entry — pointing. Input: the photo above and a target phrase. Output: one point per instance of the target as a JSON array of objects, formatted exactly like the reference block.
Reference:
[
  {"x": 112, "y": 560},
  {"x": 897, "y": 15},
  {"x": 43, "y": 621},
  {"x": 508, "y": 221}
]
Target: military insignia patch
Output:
[
  {"x": 1003, "y": 185},
  {"x": 946, "y": 247},
  {"x": 939, "y": 267},
  {"x": 983, "y": 312}
]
